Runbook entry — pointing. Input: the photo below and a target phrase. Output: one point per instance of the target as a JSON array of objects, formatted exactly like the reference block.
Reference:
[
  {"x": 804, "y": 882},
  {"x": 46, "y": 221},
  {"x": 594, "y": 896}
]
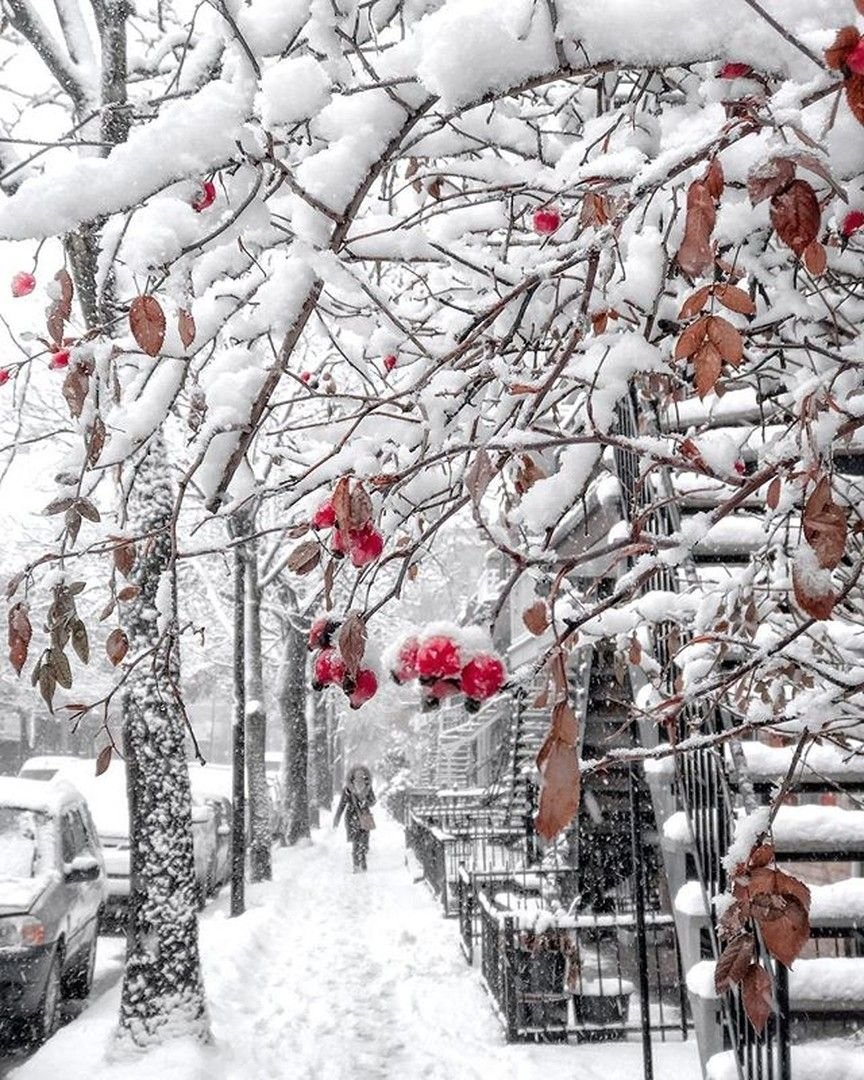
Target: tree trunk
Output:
[
  {"x": 163, "y": 994},
  {"x": 260, "y": 812},
  {"x": 292, "y": 705},
  {"x": 321, "y": 768}
]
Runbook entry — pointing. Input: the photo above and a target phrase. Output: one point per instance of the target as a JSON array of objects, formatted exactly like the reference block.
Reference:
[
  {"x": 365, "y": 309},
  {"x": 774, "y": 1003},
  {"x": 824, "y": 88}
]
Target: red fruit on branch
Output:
[
  {"x": 389, "y": 362},
  {"x": 437, "y": 691},
  {"x": 546, "y": 221},
  {"x": 324, "y": 517},
  {"x": 483, "y": 677},
  {"x": 734, "y": 70},
  {"x": 855, "y": 59},
  {"x": 23, "y": 284},
  {"x": 59, "y": 360},
  {"x": 853, "y": 221},
  {"x": 305, "y": 376},
  {"x": 329, "y": 667},
  {"x": 740, "y": 467},
  {"x": 4, "y": 376},
  {"x": 438, "y": 658},
  {"x": 365, "y": 687},
  {"x": 337, "y": 544},
  {"x": 206, "y": 196},
  {"x": 366, "y": 545},
  {"x": 405, "y": 668}
]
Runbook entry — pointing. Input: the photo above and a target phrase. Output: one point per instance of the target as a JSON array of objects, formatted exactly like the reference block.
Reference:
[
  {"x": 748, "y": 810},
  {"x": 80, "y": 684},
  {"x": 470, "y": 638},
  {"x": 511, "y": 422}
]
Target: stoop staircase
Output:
[{"x": 816, "y": 1031}]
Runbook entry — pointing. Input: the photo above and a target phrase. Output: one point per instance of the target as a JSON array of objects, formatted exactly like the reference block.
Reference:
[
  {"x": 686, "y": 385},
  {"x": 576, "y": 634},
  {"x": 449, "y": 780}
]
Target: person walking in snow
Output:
[{"x": 357, "y": 798}]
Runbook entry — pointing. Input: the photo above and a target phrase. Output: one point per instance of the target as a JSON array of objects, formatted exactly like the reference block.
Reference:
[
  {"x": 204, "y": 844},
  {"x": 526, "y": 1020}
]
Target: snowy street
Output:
[{"x": 330, "y": 976}]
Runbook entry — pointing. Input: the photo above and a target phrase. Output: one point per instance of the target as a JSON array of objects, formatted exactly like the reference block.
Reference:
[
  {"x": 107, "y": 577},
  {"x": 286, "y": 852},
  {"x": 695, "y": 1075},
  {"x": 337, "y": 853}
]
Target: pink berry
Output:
[
  {"x": 740, "y": 467},
  {"x": 305, "y": 376},
  {"x": 4, "y": 376},
  {"x": 324, "y": 517},
  {"x": 437, "y": 658},
  {"x": 366, "y": 545},
  {"x": 853, "y": 221},
  {"x": 365, "y": 687},
  {"x": 23, "y": 284},
  {"x": 59, "y": 360},
  {"x": 546, "y": 221},
  {"x": 734, "y": 70},
  {"x": 855, "y": 59},
  {"x": 206, "y": 196},
  {"x": 483, "y": 677},
  {"x": 405, "y": 668},
  {"x": 321, "y": 633},
  {"x": 329, "y": 667},
  {"x": 389, "y": 362},
  {"x": 337, "y": 543}
]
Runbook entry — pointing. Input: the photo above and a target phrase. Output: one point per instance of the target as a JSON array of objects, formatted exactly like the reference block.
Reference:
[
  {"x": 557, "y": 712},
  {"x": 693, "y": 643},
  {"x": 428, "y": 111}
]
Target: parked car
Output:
[
  {"x": 52, "y": 891},
  {"x": 212, "y": 785},
  {"x": 45, "y": 767},
  {"x": 106, "y": 795}
]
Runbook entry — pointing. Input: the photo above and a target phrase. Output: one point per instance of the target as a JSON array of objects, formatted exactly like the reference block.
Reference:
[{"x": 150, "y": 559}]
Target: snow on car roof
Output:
[{"x": 40, "y": 795}]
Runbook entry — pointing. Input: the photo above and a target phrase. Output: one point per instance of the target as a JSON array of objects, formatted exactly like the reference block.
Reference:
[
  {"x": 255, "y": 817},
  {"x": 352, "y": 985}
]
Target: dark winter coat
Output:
[{"x": 351, "y": 804}]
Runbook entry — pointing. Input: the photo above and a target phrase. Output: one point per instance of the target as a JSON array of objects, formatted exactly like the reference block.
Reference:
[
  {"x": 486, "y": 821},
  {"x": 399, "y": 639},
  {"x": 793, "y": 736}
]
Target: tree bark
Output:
[
  {"x": 163, "y": 993},
  {"x": 292, "y": 705},
  {"x": 260, "y": 810},
  {"x": 321, "y": 768}
]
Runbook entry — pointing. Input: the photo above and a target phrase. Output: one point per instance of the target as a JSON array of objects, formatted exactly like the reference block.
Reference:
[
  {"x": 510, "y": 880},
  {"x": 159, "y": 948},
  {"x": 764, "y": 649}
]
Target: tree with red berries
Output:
[{"x": 425, "y": 261}]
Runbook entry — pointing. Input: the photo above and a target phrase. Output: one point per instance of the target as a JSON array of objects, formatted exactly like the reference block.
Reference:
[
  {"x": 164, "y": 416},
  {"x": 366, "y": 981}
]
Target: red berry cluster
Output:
[
  {"x": 439, "y": 664},
  {"x": 328, "y": 667},
  {"x": 363, "y": 543}
]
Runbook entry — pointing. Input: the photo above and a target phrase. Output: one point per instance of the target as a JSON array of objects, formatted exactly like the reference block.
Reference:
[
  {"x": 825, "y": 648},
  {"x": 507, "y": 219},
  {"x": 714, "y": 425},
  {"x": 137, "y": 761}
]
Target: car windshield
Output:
[{"x": 24, "y": 843}]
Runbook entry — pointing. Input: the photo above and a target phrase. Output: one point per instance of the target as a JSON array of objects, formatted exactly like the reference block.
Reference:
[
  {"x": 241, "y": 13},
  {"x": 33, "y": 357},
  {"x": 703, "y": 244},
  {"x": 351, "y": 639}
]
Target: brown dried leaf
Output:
[
  {"x": 80, "y": 641},
  {"x": 734, "y": 962},
  {"x": 352, "y": 643},
  {"x": 825, "y": 527},
  {"x": 694, "y": 303},
  {"x": 634, "y": 653},
  {"x": 305, "y": 557},
  {"x": 124, "y": 555},
  {"x": 845, "y": 41},
  {"x": 691, "y": 338},
  {"x": 726, "y": 339},
  {"x": 359, "y": 507},
  {"x": 565, "y": 726},
  {"x": 536, "y": 617},
  {"x": 86, "y": 509},
  {"x": 185, "y": 327},
  {"x": 528, "y": 474},
  {"x": 707, "y": 363},
  {"x": 595, "y": 210},
  {"x": 20, "y": 633},
  {"x": 128, "y": 592},
  {"x": 735, "y": 299},
  {"x": 695, "y": 255},
  {"x": 47, "y": 684},
  {"x": 147, "y": 322},
  {"x": 815, "y": 258},
  {"x": 796, "y": 216},
  {"x": 96, "y": 440},
  {"x": 103, "y": 759},
  {"x": 757, "y": 996},
  {"x": 769, "y": 178},
  {"x": 117, "y": 645},
  {"x": 714, "y": 180},
  {"x": 560, "y": 791},
  {"x": 772, "y": 498},
  {"x": 341, "y": 500},
  {"x": 816, "y": 605},
  {"x": 75, "y": 387},
  {"x": 761, "y": 856},
  {"x": 479, "y": 476}
]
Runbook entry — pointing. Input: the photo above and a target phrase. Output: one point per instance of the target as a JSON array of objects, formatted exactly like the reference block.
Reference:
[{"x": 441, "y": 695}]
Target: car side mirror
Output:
[{"x": 81, "y": 869}]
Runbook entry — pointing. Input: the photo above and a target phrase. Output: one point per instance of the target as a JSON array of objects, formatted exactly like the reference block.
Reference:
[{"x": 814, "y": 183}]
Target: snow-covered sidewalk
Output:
[{"x": 332, "y": 976}]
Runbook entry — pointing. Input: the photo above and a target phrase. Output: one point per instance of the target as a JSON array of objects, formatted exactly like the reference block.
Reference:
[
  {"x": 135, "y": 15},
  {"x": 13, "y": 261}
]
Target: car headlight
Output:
[{"x": 21, "y": 931}]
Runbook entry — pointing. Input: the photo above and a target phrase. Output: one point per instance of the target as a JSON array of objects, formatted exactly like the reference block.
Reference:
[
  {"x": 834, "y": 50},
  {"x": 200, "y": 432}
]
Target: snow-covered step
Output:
[
  {"x": 823, "y": 984},
  {"x": 766, "y": 764},
  {"x": 840, "y": 904},
  {"x": 831, "y": 1059},
  {"x": 800, "y": 831}
]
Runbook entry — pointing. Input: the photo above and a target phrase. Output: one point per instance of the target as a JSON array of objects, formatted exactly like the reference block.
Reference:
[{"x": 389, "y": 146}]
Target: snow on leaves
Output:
[{"x": 824, "y": 545}]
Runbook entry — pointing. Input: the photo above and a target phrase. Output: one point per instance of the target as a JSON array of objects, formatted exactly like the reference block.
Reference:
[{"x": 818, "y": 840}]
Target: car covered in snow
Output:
[
  {"x": 212, "y": 784},
  {"x": 44, "y": 766},
  {"x": 52, "y": 891},
  {"x": 106, "y": 796}
]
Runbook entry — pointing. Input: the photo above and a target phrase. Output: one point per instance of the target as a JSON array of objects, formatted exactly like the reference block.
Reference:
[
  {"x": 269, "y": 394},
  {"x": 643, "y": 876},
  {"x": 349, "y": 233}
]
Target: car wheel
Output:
[
  {"x": 80, "y": 982},
  {"x": 47, "y": 1019}
]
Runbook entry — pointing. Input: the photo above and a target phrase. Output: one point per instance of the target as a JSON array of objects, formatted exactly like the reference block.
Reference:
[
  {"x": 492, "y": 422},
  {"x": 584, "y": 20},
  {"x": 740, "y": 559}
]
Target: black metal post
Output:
[
  {"x": 508, "y": 979},
  {"x": 238, "y": 834},
  {"x": 638, "y": 857},
  {"x": 784, "y": 1050}
]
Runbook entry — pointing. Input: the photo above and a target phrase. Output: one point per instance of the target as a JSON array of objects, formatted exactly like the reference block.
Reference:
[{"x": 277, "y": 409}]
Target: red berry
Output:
[
  {"x": 337, "y": 543},
  {"x": 855, "y": 59},
  {"x": 305, "y": 376},
  {"x": 483, "y": 677},
  {"x": 405, "y": 668},
  {"x": 546, "y": 221},
  {"x": 365, "y": 687},
  {"x": 740, "y": 467},
  {"x": 389, "y": 363},
  {"x": 59, "y": 360},
  {"x": 853, "y": 221},
  {"x": 734, "y": 70},
  {"x": 366, "y": 545},
  {"x": 329, "y": 667},
  {"x": 206, "y": 196},
  {"x": 320, "y": 633},
  {"x": 4, "y": 376},
  {"x": 437, "y": 658},
  {"x": 324, "y": 517},
  {"x": 23, "y": 283}
]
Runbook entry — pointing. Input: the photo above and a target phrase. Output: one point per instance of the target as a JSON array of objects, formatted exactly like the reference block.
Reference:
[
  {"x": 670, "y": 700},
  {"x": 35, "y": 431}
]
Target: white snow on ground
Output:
[{"x": 331, "y": 976}]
